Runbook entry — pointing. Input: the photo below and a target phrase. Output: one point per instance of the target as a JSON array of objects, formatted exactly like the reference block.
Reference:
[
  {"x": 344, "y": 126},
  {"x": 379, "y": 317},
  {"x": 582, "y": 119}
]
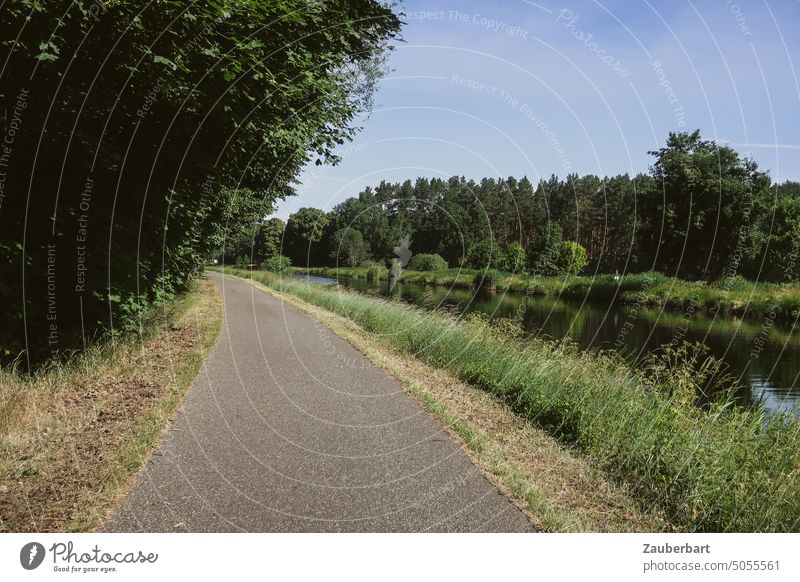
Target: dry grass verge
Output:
[
  {"x": 556, "y": 488},
  {"x": 72, "y": 438}
]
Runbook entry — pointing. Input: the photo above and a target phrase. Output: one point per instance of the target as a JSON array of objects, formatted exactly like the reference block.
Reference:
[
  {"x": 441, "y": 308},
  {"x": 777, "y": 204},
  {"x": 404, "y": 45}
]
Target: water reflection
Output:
[{"x": 767, "y": 363}]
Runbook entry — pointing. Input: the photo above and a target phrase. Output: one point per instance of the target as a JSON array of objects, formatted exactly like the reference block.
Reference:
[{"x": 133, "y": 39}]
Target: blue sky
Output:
[{"x": 519, "y": 88}]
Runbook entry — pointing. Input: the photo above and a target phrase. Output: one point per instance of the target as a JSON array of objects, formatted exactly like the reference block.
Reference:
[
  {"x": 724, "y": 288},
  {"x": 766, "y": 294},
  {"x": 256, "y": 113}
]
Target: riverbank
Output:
[
  {"x": 73, "y": 436},
  {"x": 640, "y": 429},
  {"x": 737, "y": 297}
]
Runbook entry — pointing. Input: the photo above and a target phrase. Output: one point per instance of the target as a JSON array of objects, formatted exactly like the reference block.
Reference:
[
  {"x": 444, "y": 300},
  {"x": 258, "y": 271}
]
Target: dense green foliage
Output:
[
  {"x": 351, "y": 250},
  {"x": 427, "y": 262},
  {"x": 269, "y": 238},
  {"x": 516, "y": 258},
  {"x": 711, "y": 205},
  {"x": 277, "y": 264},
  {"x": 484, "y": 253},
  {"x": 571, "y": 258},
  {"x": 143, "y": 136},
  {"x": 304, "y": 230},
  {"x": 784, "y": 241},
  {"x": 718, "y": 468},
  {"x": 545, "y": 251},
  {"x": 488, "y": 279},
  {"x": 701, "y": 213}
]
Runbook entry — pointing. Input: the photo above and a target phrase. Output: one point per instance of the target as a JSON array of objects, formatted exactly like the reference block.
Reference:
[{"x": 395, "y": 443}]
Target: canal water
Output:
[{"x": 765, "y": 359}]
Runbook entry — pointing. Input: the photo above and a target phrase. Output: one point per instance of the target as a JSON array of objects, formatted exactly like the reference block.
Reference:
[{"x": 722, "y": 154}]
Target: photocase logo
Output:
[
  {"x": 31, "y": 555},
  {"x": 403, "y": 251}
]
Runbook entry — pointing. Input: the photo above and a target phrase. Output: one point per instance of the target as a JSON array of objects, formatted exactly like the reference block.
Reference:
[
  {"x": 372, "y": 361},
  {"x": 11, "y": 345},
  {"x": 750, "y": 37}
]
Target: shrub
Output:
[
  {"x": 515, "y": 258},
  {"x": 485, "y": 253},
  {"x": 427, "y": 262},
  {"x": 549, "y": 255},
  {"x": 277, "y": 264},
  {"x": 572, "y": 258},
  {"x": 544, "y": 251},
  {"x": 375, "y": 271},
  {"x": 487, "y": 279},
  {"x": 242, "y": 262},
  {"x": 350, "y": 248}
]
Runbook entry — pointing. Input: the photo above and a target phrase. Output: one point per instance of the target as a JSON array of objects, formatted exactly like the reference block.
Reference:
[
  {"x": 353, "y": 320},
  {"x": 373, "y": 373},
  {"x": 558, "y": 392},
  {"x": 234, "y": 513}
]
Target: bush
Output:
[
  {"x": 375, "y": 271},
  {"x": 572, "y": 258},
  {"x": 277, "y": 264},
  {"x": 544, "y": 252},
  {"x": 487, "y": 279},
  {"x": 350, "y": 248},
  {"x": 427, "y": 262},
  {"x": 485, "y": 253},
  {"x": 515, "y": 258},
  {"x": 242, "y": 262}
]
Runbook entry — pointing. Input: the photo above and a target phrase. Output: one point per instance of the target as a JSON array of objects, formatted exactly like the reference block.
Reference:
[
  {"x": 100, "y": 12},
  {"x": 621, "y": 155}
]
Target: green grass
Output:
[
  {"x": 720, "y": 468},
  {"x": 726, "y": 297}
]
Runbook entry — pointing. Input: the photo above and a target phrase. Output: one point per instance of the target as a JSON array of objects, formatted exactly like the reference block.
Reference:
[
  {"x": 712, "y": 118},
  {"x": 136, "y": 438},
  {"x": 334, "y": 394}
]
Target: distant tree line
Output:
[
  {"x": 138, "y": 137},
  {"x": 701, "y": 212}
]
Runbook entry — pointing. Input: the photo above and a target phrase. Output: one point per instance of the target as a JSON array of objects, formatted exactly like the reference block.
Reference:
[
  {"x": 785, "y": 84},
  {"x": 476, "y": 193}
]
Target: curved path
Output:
[{"x": 289, "y": 428}]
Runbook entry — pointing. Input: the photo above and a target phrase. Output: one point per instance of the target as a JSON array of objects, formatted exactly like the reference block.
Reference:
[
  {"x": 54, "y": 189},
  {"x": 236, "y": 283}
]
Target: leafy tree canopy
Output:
[
  {"x": 351, "y": 249},
  {"x": 148, "y": 134}
]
